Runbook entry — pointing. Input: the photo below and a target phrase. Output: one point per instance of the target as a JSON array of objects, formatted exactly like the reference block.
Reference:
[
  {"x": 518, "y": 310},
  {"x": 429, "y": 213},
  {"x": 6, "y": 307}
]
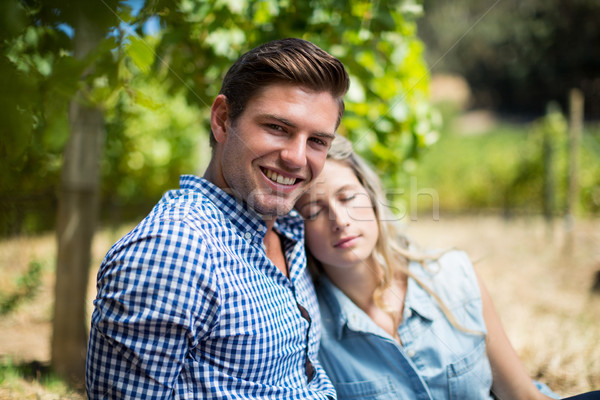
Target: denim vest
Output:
[{"x": 435, "y": 361}]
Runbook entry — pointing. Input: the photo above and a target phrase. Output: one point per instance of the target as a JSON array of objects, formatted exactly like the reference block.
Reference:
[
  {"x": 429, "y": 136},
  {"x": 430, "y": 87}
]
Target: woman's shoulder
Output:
[{"x": 451, "y": 276}]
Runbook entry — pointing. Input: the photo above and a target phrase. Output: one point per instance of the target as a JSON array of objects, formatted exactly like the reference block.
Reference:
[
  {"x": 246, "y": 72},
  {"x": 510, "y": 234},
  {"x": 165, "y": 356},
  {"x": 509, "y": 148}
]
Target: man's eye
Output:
[
  {"x": 275, "y": 127},
  {"x": 318, "y": 141}
]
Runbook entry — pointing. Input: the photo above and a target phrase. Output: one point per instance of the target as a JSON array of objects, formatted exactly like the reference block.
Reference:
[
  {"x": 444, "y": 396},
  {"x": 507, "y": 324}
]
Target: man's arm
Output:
[{"x": 156, "y": 299}]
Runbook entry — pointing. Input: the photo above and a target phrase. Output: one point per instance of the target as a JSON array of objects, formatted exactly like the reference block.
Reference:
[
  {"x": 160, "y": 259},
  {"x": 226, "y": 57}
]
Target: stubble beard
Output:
[{"x": 268, "y": 204}]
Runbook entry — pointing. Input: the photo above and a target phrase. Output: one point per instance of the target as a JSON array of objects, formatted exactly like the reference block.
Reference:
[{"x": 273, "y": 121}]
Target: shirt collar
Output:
[
  {"x": 242, "y": 217},
  {"x": 417, "y": 299},
  {"x": 345, "y": 312}
]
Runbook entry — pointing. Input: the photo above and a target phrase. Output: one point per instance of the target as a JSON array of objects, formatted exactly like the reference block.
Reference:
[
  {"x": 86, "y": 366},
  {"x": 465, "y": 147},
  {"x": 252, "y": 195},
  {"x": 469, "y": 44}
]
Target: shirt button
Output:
[
  {"x": 408, "y": 313},
  {"x": 248, "y": 235},
  {"x": 410, "y": 353}
]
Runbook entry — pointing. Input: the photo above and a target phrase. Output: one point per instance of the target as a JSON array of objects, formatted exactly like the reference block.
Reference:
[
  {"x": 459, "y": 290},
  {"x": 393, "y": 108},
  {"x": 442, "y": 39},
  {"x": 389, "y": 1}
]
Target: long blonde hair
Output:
[{"x": 391, "y": 252}]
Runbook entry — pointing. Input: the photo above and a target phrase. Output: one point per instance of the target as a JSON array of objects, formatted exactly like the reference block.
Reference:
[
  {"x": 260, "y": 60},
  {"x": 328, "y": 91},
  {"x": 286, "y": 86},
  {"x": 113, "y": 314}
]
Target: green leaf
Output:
[{"x": 141, "y": 53}]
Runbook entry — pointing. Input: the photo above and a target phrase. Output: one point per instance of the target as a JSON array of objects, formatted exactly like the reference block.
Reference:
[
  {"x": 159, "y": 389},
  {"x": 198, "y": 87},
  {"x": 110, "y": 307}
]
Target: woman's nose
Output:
[{"x": 340, "y": 219}]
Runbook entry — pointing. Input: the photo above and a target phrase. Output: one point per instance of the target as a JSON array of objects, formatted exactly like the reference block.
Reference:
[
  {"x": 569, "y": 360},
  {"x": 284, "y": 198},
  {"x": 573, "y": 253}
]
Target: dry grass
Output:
[
  {"x": 26, "y": 333},
  {"x": 541, "y": 291}
]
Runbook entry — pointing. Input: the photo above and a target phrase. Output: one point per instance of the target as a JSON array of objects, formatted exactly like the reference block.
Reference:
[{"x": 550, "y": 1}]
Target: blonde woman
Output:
[{"x": 398, "y": 324}]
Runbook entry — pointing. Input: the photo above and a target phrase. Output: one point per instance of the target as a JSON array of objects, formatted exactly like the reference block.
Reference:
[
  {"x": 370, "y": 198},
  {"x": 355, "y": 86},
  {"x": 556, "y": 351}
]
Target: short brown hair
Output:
[{"x": 292, "y": 60}]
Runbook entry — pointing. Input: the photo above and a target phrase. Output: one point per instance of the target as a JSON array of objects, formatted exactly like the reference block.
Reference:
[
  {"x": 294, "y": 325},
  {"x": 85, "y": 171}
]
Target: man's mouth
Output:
[{"x": 278, "y": 178}]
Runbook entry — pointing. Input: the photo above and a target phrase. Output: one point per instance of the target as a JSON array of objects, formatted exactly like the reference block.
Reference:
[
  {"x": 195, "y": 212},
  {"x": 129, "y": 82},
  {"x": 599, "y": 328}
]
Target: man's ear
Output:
[{"x": 219, "y": 118}]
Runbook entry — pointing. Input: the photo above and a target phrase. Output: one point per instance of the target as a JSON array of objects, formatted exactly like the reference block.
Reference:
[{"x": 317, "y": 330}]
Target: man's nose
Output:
[{"x": 294, "y": 152}]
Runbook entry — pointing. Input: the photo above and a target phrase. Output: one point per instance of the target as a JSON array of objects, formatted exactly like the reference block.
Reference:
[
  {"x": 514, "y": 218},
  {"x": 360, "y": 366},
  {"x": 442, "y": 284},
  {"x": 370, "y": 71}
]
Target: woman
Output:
[{"x": 397, "y": 324}]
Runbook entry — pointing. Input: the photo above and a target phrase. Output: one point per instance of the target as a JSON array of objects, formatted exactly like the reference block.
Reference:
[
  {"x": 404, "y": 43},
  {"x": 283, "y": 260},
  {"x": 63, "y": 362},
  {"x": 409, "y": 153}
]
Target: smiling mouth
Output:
[{"x": 277, "y": 178}]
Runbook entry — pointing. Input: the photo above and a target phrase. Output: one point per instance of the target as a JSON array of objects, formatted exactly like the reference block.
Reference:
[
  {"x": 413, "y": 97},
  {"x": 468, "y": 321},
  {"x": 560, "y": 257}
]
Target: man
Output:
[{"x": 209, "y": 297}]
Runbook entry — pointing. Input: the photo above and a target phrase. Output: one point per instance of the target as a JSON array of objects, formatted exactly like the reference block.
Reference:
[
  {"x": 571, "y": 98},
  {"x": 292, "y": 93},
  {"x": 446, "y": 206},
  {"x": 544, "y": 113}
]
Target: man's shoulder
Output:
[
  {"x": 187, "y": 205},
  {"x": 180, "y": 215},
  {"x": 183, "y": 231}
]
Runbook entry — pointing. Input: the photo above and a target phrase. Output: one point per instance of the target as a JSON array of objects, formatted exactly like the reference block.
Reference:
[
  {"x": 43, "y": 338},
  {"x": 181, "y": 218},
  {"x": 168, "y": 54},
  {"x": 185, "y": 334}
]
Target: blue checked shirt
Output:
[{"x": 190, "y": 307}]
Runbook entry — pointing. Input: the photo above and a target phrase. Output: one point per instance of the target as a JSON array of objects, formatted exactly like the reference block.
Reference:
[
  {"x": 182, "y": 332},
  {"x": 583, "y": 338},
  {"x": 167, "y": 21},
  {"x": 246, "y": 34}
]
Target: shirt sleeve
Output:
[{"x": 157, "y": 298}]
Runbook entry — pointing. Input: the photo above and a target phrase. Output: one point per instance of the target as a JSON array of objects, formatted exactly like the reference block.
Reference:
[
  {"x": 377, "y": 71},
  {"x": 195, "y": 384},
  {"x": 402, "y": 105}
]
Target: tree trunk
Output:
[
  {"x": 576, "y": 102},
  {"x": 77, "y": 215}
]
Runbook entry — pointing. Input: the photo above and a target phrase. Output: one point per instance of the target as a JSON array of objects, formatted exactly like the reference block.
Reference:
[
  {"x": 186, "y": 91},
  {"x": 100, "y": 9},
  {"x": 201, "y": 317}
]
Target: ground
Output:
[{"x": 540, "y": 278}]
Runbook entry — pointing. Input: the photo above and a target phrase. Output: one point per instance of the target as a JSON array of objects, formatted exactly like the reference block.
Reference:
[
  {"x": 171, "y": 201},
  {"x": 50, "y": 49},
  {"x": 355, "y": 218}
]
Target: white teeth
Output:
[{"x": 275, "y": 177}]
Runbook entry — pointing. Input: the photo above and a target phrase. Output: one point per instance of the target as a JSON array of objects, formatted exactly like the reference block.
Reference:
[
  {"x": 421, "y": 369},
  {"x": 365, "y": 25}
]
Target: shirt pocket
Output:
[
  {"x": 471, "y": 376},
  {"x": 378, "y": 389}
]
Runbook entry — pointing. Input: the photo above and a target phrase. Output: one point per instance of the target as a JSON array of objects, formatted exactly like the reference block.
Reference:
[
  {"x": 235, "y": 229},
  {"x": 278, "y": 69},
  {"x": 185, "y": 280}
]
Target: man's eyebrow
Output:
[
  {"x": 326, "y": 135},
  {"x": 280, "y": 119}
]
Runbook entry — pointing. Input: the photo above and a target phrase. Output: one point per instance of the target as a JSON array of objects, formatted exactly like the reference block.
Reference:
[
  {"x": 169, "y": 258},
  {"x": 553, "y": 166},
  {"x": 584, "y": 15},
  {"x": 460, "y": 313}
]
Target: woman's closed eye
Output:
[
  {"x": 310, "y": 211},
  {"x": 347, "y": 197}
]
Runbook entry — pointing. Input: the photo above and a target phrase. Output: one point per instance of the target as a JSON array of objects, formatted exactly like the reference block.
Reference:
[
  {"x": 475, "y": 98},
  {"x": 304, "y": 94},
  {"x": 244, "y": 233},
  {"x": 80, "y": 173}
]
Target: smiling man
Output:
[{"x": 209, "y": 296}]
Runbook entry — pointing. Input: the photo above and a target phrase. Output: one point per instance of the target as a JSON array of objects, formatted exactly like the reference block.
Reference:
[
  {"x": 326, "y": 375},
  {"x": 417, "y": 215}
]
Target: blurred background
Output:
[{"x": 483, "y": 118}]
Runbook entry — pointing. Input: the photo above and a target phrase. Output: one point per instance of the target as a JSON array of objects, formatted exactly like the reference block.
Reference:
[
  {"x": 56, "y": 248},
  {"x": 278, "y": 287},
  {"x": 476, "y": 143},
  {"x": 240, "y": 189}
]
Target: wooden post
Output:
[
  {"x": 575, "y": 129},
  {"x": 78, "y": 210},
  {"x": 548, "y": 180}
]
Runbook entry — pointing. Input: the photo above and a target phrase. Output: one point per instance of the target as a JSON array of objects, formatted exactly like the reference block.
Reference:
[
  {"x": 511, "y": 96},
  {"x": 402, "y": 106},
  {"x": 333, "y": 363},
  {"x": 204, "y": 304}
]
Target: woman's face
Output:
[{"x": 341, "y": 227}]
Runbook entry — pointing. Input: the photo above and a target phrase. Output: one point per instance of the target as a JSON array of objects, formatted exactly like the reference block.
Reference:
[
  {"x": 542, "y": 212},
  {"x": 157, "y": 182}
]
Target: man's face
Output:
[{"x": 277, "y": 146}]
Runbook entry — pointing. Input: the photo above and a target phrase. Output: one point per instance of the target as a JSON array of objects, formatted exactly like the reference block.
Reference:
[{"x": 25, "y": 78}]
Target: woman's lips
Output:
[{"x": 346, "y": 242}]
